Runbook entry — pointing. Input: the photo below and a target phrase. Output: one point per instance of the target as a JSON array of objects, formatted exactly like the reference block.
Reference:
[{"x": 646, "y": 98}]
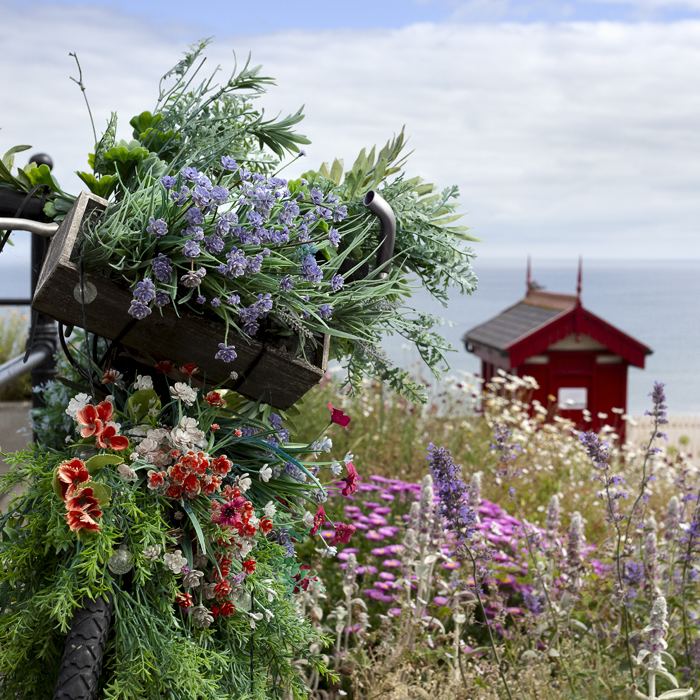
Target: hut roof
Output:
[{"x": 543, "y": 318}]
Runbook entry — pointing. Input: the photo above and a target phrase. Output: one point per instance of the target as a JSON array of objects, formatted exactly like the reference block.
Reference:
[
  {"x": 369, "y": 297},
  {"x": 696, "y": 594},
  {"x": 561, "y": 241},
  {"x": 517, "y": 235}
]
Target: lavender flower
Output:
[
  {"x": 325, "y": 311},
  {"x": 157, "y": 227},
  {"x": 190, "y": 174},
  {"x": 233, "y": 300},
  {"x": 168, "y": 181},
  {"x": 145, "y": 290},
  {"x": 216, "y": 302},
  {"x": 213, "y": 244},
  {"x": 162, "y": 298},
  {"x": 340, "y": 213},
  {"x": 194, "y": 216},
  {"x": 162, "y": 268},
  {"x": 337, "y": 282},
  {"x": 139, "y": 310},
  {"x": 180, "y": 197},
  {"x": 310, "y": 270},
  {"x": 191, "y": 250},
  {"x": 229, "y": 164},
  {"x": 452, "y": 493},
  {"x": 219, "y": 195},
  {"x": 201, "y": 299},
  {"x": 334, "y": 238},
  {"x": 193, "y": 278},
  {"x": 236, "y": 265},
  {"x": 286, "y": 284},
  {"x": 316, "y": 195},
  {"x": 227, "y": 353}
]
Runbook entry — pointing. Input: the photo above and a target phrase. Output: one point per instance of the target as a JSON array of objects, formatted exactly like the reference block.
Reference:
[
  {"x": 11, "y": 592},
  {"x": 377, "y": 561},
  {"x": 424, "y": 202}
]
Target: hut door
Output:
[{"x": 573, "y": 396}]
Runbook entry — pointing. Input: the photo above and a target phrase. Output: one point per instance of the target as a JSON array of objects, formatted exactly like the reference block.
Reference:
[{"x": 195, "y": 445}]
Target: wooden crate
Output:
[{"x": 266, "y": 373}]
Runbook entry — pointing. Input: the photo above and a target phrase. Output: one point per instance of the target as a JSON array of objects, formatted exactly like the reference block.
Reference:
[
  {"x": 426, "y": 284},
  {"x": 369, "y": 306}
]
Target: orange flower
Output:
[
  {"x": 89, "y": 418},
  {"x": 221, "y": 465},
  {"x": 70, "y": 475},
  {"x": 78, "y": 520},
  {"x": 84, "y": 499},
  {"x": 237, "y": 433},
  {"x": 109, "y": 440}
]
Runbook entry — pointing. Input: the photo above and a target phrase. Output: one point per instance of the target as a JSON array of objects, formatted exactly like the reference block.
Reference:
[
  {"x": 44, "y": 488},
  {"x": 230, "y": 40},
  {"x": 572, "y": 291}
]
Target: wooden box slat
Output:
[{"x": 265, "y": 373}]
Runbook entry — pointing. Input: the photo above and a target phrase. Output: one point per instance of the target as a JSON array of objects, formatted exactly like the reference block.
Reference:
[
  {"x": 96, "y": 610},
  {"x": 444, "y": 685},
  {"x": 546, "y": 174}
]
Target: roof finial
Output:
[
  {"x": 528, "y": 281},
  {"x": 579, "y": 285}
]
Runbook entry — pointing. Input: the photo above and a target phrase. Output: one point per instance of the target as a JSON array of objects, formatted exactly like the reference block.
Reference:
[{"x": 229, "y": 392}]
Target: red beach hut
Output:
[{"x": 575, "y": 356}]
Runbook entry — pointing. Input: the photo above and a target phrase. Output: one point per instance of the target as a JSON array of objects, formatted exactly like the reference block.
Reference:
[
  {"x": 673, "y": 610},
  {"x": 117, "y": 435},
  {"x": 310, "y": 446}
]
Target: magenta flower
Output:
[
  {"x": 374, "y": 535},
  {"x": 392, "y": 563}
]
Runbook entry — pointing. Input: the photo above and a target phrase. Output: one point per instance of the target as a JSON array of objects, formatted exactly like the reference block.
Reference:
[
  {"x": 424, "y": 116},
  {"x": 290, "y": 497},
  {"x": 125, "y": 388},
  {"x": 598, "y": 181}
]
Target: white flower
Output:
[
  {"x": 201, "y": 615},
  {"x": 192, "y": 578},
  {"x": 77, "y": 403},
  {"x": 200, "y": 561},
  {"x": 143, "y": 382},
  {"x": 268, "y": 614},
  {"x": 69, "y": 440},
  {"x": 234, "y": 376},
  {"x": 270, "y": 509},
  {"x": 244, "y": 482},
  {"x": 255, "y": 617},
  {"x": 208, "y": 590},
  {"x": 245, "y": 545},
  {"x": 109, "y": 398},
  {"x": 175, "y": 561},
  {"x": 126, "y": 472},
  {"x": 186, "y": 435},
  {"x": 329, "y": 552},
  {"x": 336, "y": 468},
  {"x": 265, "y": 473},
  {"x": 308, "y": 519},
  {"x": 183, "y": 392},
  {"x": 151, "y": 553},
  {"x": 349, "y": 456}
]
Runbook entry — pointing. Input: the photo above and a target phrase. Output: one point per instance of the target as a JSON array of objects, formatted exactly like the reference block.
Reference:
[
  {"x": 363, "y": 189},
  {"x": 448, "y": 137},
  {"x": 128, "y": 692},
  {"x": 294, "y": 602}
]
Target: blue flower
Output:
[
  {"x": 201, "y": 197},
  {"x": 334, "y": 238},
  {"x": 229, "y": 164},
  {"x": 145, "y": 290},
  {"x": 227, "y": 353},
  {"x": 216, "y": 302},
  {"x": 233, "y": 300},
  {"x": 286, "y": 284},
  {"x": 157, "y": 227},
  {"x": 168, "y": 181},
  {"x": 339, "y": 213},
  {"x": 325, "y": 311},
  {"x": 194, "y": 216},
  {"x": 201, "y": 299},
  {"x": 253, "y": 265},
  {"x": 310, "y": 270},
  {"x": 236, "y": 264},
  {"x": 337, "y": 282},
  {"x": 324, "y": 212},
  {"x": 191, "y": 250},
  {"x": 138, "y": 310},
  {"x": 180, "y": 197},
  {"x": 219, "y": 195},
  {"x": 316, "y": 195},
  {"x": 213, "y": 244},
  {"x": 190, "y": 174},
  {"x": 162, "y": 298},
  {"x": 302, "y": 153},
  {"x": 162, "y": 268}
]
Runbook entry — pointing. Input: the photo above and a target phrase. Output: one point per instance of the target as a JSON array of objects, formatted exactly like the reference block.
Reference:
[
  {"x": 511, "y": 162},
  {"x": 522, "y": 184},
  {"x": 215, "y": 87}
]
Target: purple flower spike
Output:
[{"x": 162, "y": 268}]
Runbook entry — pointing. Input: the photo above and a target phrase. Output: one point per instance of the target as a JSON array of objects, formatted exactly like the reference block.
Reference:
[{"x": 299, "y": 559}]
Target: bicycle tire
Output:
[{"x": 81, "y": 663}]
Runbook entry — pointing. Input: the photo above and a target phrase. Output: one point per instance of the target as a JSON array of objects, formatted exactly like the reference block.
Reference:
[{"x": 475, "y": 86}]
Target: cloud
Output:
[{"x": 564, "y": 139}]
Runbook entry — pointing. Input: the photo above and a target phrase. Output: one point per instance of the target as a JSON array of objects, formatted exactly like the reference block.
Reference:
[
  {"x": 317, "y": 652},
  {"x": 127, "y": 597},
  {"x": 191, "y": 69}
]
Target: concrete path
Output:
[{"x": 15, "y": 434}]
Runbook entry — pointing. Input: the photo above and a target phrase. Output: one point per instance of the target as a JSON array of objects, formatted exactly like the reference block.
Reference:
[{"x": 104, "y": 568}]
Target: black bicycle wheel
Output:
[{"x": 85, "y": 646}]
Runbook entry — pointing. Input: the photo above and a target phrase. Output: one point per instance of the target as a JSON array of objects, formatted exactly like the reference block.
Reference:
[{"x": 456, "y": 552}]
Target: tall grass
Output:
[{"x": 13, "y": 336}]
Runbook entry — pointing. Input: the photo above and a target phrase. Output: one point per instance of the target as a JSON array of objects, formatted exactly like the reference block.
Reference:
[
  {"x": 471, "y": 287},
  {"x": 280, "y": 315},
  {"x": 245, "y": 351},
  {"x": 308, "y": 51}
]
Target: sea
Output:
[{"x": 656, "y": 302}]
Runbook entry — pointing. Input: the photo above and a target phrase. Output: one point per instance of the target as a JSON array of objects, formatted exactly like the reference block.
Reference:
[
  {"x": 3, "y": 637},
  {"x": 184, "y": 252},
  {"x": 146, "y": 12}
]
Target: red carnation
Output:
[
  {"x": 184, "y": 600},
  {"x": 190, "y": 369},
  {"x": 343, "y": 533},
  {"x": 319, "y": 519},
  {"x": 350, "y": 480},
  {"x": 337, "y": 416},
  {"x": 89, "y": 418},
  {"x": 84, "y": 499},
  {"x": 78, "y": 520},
  {"x": 213, "y": 398},
  {"x": 249, "y": 566},
  {"x": 227, "y": 609},
  {"x": 164, "y": 367},
  {"x": 222, "y": 589},
  {"x": 266, "y": 525}
]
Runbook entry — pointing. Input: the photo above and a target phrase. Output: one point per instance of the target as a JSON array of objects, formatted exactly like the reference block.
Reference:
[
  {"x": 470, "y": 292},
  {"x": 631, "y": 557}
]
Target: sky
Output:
[{"x": 571, "y": 128}]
